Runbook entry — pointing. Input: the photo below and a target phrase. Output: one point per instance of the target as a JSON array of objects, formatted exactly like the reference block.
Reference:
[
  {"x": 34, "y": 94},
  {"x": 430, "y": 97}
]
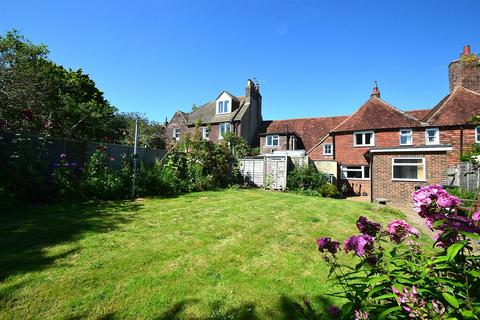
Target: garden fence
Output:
[
  {"x": 78, "y": 152},
  {"x": 269, "y": 171}
]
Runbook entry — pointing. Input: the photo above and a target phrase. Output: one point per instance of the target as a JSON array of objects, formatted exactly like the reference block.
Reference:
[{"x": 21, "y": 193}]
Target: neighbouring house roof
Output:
[
  {"x": 309, "y": 130},
  {"x": 377, "y": 114},
  {"x": 455, "y": 109},
  {"x": 207, "y": 112}
]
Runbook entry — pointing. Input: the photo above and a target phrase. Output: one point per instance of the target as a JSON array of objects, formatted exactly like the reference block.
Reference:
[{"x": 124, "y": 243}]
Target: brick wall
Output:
[
  {"x": 357, "y": 186},
  {"x": 317, "y": 152},
  {"x": 399, "y": 191},
  {"x": 177, "y": 122},
  {"x": 282, "y": 145}
]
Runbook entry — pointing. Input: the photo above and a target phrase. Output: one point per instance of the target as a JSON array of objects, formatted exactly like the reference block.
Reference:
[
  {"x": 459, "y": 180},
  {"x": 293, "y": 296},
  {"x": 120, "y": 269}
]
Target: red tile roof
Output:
[
  {"x": 377, "y": 114},
  {"x": 309, "y": 130},
  {"x": 455, "y": 109},
  {"x": 418, "y": 114}
]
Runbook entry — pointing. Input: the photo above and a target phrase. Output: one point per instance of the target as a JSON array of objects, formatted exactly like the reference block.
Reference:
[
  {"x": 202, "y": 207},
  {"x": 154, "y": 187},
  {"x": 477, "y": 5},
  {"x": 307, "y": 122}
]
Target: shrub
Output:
[
  {"x": 65, "y": 179},
  {"x": 396, "y": 279},
  {"x": 305, "y": 177},
  {"x": 99, "y": 181},
  {"x": 329, "y": 190}
]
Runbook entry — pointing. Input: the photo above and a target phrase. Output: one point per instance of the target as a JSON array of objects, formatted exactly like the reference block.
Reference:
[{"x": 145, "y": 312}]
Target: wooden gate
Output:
[{"x": 269, "y": 172}]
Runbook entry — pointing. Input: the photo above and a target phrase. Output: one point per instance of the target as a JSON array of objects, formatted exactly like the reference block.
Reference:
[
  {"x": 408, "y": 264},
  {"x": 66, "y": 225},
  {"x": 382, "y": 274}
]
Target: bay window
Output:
[{"x": 408, "y": 169}]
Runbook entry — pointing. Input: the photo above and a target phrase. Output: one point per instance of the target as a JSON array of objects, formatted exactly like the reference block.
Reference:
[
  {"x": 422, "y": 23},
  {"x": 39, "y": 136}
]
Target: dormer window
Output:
[{"x": 223, "y": 107}]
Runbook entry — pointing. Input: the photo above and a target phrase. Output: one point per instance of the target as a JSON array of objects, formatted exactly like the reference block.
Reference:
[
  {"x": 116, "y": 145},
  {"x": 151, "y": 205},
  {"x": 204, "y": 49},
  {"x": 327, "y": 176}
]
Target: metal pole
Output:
[{"x": 134, "y": 176}]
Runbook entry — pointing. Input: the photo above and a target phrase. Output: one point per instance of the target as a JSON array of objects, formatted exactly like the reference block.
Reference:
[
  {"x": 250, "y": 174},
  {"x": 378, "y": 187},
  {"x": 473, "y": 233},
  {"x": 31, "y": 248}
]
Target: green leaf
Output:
[
  {"x": 474, "y": 273},
  {"x": 468, "y": 314},
  {"x": 451, "y": 299},
  {"x": 385, "y": 296},
  {"x": 388, "y": 311},
  {"x": 453, "y": 250}
]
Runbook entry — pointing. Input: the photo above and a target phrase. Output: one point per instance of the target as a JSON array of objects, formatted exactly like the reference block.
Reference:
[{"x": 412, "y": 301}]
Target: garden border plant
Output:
[{"x": 398, "y": 279}]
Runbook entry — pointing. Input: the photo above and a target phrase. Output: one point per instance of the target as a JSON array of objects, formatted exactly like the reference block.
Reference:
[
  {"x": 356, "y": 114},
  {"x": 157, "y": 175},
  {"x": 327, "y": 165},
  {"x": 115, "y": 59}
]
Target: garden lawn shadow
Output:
[{"x": 27, "y": 233}]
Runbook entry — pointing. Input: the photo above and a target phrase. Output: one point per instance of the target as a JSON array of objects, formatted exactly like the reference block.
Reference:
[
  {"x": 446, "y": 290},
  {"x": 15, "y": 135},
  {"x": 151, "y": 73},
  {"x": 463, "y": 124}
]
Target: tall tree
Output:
[{"x": 37, "y": 95}]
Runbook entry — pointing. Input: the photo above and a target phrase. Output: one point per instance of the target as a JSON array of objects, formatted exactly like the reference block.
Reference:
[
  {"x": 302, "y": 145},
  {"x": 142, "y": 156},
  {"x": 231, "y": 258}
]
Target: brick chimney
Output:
[
  {"x": 466, "y": 51},
  {"x": 465, "y": 72},
  {"x": 375, "y": 92}
]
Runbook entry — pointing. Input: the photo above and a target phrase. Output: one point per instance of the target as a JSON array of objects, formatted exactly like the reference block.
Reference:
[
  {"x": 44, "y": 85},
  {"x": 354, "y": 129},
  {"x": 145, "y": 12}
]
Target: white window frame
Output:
[
  {"x": 477, "y": 134},
  {"x": 410, "y": 133},
  {"x": 437, "y": 136},
  {"x": 372, "y": 140},
  {"x": 205, "y": 133},
  {"x": 226, "y": 106},
  {"x": 409, "y": 165},
  {"x": 345, "y": 169},
  {"x": 273, "y": 137},
  {"x": 220, "y": 135},
  {"x": 174, "y": 133},
  {"x": 325, "y": 153}
]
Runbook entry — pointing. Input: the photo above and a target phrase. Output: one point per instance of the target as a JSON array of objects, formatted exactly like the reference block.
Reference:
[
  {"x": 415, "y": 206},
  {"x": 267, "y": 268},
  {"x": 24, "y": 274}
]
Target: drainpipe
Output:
[
  {"x": 371, "y": 178},
  {"x": 461, "y": 141}
]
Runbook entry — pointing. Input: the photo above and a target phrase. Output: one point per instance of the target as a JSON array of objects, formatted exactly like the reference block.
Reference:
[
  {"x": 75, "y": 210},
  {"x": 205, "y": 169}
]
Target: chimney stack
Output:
[
  {"x": 466, "y": 51},
  {"x": 375, "y": 92}
]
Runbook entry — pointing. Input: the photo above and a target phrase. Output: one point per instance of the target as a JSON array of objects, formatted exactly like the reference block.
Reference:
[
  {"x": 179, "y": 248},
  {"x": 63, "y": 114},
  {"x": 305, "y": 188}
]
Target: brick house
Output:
[
  {"x": 227, "y": 113},
  {"x": 382, "y": 151}
]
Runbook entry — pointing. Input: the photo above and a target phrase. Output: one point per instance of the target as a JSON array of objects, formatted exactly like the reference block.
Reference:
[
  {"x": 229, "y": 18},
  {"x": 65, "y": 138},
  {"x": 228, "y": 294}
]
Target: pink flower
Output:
[
  {"x": 398, "y": 230},
  {"x": 360, "y": 244},
  {"x": 476, "y": 216}
]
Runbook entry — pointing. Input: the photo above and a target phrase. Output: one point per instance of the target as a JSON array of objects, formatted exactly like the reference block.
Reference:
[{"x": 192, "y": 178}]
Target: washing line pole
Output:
[{"x": 134, "y": 176}]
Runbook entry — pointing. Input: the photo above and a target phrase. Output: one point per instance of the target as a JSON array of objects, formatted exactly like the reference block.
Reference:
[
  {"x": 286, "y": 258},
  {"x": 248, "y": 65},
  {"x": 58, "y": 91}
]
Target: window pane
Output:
[
  {"x": 411, "y": 161},
  {"x": 405, "y": 139},
  {"x": 405, "y": 172},
  {"x": 358, "y": 139},
  {"x": 220, "y": 107},
  {"x": 225, "y": 106},
  {"x": 354, "y": 168},
  {"x": 366, "y": 172},
  {"x": 368, "y": 138},
  {"x": 354, "y": 174}
]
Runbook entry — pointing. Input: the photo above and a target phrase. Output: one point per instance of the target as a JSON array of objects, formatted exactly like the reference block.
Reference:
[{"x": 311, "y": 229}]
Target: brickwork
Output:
[
  {"x": 282, "y": 145},
  {"x": 357, "y": 186},
  {"x": 317, "y": 152},
  {"x": 464, "y": 74},
  {"x": 399, "y": 191}
]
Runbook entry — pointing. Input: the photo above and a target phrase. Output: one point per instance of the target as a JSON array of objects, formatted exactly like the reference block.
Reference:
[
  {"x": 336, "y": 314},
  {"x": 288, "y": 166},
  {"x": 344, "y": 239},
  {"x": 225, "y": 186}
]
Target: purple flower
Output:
[
  {"x": 476, "y": 216},
  {"x": 410, "y": 302},
  {"x": 361, "y": 315},
  {"x": 63, "y": 156},
  {"x": 447, "y": 201},
  {"x": 360, "y": 244},
  {"x": 333, "y": 310},
  {"x": 398, "y": 230},
  {"x": 326, "y": 244},
  {"x": 368, "y": 227}
]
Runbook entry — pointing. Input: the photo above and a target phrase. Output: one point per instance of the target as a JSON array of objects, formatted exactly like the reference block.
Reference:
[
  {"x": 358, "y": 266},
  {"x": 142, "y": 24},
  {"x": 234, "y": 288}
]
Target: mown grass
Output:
[{"x": 233, "y": 254}]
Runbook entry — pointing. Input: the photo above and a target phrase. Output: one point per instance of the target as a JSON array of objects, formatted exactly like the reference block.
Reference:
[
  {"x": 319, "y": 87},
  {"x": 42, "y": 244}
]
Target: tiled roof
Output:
[
  {"x": 418, "y": 114},
  {"x": 455, "y": 109},
  {"x": 207, "y": 112},
  {"x": 310, "y": 130},
  {"x": 377, "y": 114}
]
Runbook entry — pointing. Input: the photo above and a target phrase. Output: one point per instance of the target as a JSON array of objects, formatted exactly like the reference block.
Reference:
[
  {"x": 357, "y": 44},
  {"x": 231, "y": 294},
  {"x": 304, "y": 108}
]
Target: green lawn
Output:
[{"x": 234, "y": 254}]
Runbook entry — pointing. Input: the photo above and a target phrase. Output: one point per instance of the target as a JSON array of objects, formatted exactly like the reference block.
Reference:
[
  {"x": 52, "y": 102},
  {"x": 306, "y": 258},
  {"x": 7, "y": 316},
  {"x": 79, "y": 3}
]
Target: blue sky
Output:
[{"x": 312, "y": 58}]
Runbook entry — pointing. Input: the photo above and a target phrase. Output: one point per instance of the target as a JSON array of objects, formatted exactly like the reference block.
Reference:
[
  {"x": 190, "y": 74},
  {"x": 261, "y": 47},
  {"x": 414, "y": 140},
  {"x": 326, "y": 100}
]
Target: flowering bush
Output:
[
  {"x": 65, "y": 179},
  {"x": 396, "y": 279}
]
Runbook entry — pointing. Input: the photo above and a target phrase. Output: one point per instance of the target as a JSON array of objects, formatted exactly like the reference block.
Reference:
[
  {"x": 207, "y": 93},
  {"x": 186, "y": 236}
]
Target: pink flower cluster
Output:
[
  {"x": 438, "y": 208},
  {"x": 434, "y": 195},
  {"x": 398, "y": 230},
  {"x": 359, "y": 244}
]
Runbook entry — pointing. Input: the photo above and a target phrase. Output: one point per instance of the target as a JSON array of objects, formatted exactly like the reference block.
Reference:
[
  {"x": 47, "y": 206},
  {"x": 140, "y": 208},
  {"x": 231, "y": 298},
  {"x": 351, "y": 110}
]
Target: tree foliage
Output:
[{"x": 37, "y": 95}]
